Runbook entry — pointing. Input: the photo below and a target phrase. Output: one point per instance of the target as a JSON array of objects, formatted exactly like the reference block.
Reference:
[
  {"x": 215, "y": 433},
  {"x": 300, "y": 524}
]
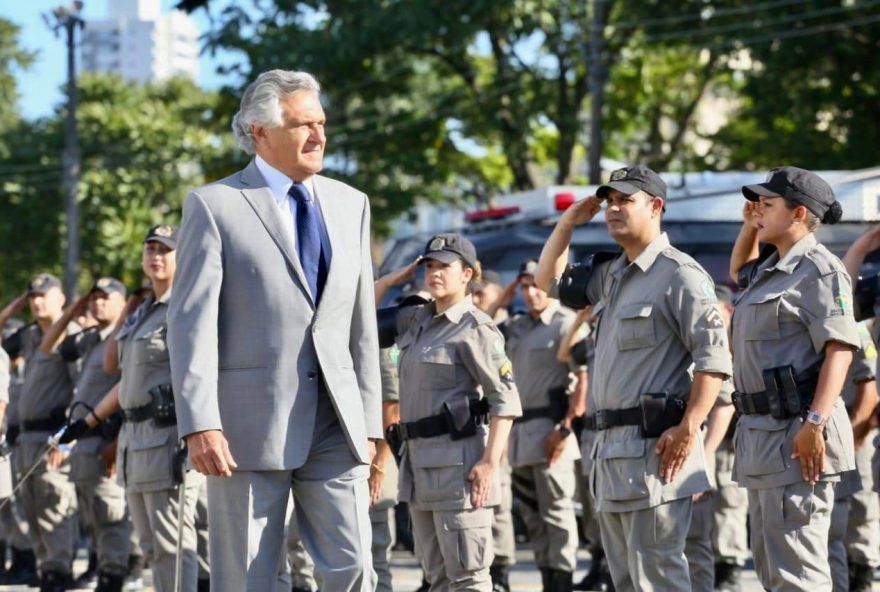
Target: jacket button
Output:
[{"x": 312, "y": 375}]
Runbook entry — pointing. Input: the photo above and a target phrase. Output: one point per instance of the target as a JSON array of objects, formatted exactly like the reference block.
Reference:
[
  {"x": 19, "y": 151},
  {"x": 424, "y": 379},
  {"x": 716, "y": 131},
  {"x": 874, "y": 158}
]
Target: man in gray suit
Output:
[{"x": 274, "y": 349}]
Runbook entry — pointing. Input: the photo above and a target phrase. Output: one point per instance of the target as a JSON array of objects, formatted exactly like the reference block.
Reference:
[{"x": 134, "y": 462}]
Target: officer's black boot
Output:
[
  {"x": 593, "y": 579},
  {"x": 108, "y": 582},
  {"x": 55, "y": 581},
  {"x": 559, "y": 581},
  {"x": 499, "y": 575},
  {"x": 203, "y": 585},
  {"x": 727, "y": 577},
  {"x": 425, "y": 585},
  {"x": 2, "y": 559},
  {"x": 89, "y": 578},
  {"x": 134, "y": 580},
  {"x": 861, "y": 577},
  {"x": 545, "y": 578},
  {"x": 23, "y": 569}
]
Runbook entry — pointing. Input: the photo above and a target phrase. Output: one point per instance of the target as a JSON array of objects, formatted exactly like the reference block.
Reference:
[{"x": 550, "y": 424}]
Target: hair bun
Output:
[{"x": 834, "y": 213}]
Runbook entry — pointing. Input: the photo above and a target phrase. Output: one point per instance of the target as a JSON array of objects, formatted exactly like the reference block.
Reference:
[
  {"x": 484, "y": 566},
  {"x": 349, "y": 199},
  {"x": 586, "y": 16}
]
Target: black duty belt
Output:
[
  {"x": 139, "y": 414},
  {"x": 605, "y": 419},
  {"x": 438, "y": 425},
  {"x": 556, "y": 410},
  {"x": 786, "y": 397}
]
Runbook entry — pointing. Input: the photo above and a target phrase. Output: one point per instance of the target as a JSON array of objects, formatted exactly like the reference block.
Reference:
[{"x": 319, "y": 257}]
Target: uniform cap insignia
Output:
[
  {"x": 437, "y": 244},
  {"x": 619, "y": 174},
  {"x": 165, "y": 231},
  {"x": 103, "y": 282}
]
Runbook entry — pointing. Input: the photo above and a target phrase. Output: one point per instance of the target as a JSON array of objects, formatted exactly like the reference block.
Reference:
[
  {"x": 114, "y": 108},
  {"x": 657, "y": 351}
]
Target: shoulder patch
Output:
[{"x": 505, "y": 372}]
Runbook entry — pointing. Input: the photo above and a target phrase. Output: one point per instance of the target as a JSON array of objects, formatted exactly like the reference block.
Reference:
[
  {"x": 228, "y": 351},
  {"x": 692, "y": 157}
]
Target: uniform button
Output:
[{"x": 312, "y": 375}]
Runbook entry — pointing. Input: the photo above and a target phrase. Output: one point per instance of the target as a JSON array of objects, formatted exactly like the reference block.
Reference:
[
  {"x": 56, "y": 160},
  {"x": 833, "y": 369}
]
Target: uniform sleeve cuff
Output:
[
  {"x": 715, "y": 360},
  {"x": 840, "y": 328}
]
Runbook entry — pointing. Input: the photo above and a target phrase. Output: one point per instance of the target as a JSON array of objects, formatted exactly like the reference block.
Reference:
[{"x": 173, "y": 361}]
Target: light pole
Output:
[{"x": 67, "y": 17}]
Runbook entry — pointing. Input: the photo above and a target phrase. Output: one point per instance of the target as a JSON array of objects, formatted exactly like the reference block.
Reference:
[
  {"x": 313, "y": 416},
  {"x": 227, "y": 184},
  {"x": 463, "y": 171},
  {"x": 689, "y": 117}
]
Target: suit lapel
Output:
[{"x": 260, "y": 198}]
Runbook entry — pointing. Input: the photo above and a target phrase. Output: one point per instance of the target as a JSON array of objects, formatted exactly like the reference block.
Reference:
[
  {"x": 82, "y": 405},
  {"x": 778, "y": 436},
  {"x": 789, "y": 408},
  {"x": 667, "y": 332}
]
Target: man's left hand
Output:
[{"x": 674, "y": 447}]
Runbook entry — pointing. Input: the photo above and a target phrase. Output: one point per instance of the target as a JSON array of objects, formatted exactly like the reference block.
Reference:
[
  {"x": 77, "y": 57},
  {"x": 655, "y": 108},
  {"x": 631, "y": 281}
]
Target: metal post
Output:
[
  {"x": 67, "y": 17},
  {"x": 597, "y": 88}
]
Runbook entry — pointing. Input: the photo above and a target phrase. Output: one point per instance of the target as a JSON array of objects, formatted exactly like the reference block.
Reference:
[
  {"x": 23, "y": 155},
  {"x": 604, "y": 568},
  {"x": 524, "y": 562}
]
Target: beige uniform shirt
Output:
[
  {"x": 443, "y": 357},
  {"x": 658, "y": 318},
  {"x": 532, "y": 344},
  {"x": 145, "y": 451},
  {"x": 388, "y": 359},
  {"x": 791, "y": 309},
  {"x": 863, "y": 367}
]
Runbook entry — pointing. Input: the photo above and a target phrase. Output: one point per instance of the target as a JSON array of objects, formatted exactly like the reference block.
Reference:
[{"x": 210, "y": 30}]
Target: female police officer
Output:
[
  {"x": 793, "y": 337},
  {"x": 453, "y": 374}
]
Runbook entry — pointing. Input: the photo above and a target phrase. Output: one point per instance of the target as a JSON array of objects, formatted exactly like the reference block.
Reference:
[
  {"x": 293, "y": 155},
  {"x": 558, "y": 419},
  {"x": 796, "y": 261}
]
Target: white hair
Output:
[{"x": 261, "y": 105}]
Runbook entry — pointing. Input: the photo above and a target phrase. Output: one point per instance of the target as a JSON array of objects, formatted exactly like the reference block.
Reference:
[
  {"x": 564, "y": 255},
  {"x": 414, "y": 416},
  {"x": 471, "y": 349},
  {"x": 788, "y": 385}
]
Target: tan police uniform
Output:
[
  {"x": 48, "y": 497},
  {"x": 102, "y": 499},
  {"x": 147, "y": 453},
  {"x": 450, "y": 357},
  {"x": 862, "y": 528},
  {"x": 382, "y": 512},
  {"x": 792, "y": 308},
  {"x": 657, "y": 318},
  {"x": 547, "y": 491}
]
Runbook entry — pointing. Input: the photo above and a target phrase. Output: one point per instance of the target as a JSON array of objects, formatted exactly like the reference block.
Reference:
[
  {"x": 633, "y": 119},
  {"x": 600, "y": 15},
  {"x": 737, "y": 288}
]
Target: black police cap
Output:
[
  {"x": 163, "y": 233},
  {"x": 43, "y": 283},
  {"x": 633, "y": 179},
  {"x": 109, "y": 285},
  {"x": 448, "y": 247},
  {"x": 801, "y": 186}
]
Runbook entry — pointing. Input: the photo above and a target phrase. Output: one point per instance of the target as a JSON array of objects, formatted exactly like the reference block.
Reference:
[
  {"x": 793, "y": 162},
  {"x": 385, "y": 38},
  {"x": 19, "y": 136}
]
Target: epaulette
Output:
[
  {"x": 480, "y": 317},
  {"x": 822, "y": 259},
  {"x": 678, "y": 256}
]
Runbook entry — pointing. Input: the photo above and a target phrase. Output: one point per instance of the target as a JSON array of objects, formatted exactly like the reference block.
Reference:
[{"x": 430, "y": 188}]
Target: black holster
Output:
[
  {"x": 395, "y": 440},
  {"x": 660, "y": 411},
  {"x": 782, "y": 392},
  {"x": 110, "y": 427},
  {"x": 462, "y": 424},
  {"x": 162, "y": 400},
  {"x": 179, "y": 466}
]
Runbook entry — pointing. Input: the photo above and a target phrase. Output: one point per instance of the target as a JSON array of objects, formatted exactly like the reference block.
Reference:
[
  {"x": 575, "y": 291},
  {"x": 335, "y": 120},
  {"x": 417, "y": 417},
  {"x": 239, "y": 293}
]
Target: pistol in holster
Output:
[
  {"x": 783, "y": 397},
  {"x": 162, "y": 400},
  {"x": 462, "y": 423},
  {"x": 660, "y": 411},
  {"x": 394, "y": 437}
]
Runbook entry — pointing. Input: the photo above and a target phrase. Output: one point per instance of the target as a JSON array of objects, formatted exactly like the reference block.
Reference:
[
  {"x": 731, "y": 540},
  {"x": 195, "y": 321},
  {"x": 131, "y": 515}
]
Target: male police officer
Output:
[
  {"x": 543, "y": 449},
  {"x": 657, "y": 317}
]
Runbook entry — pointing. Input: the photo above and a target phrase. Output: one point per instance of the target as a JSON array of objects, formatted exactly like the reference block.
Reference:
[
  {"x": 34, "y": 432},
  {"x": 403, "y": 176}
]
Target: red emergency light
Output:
[
  {"x": 563, "y": 201},
  {"x": 491, "y": 214}
]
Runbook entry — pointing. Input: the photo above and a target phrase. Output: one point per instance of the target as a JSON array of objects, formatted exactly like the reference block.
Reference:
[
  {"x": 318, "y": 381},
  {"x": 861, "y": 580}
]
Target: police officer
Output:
[
  {"x": 793, "y": 338},
  {"x": 855, "y": 554},
  {"x": 102, "y": 499},
  {"x": 454, "y": 373},
  {"x": 730, "y": 512},
  {"x": 657, "y": 319},
  {"x": 542, "y": 448},
  {"x": 48, "y": 496},
  {"x": 150, "y": 460}
]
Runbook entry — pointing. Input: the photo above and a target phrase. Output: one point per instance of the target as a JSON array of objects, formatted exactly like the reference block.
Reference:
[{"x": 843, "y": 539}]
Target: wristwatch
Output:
[
  {"x": 563, "y": 431},
  {"x": 816, "y": 418}
]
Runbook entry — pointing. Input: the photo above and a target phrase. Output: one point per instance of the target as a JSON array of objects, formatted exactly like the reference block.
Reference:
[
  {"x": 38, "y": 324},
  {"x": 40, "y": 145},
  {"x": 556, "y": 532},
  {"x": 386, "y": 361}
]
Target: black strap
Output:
[
  {"x": 764, "y": 402},
  {"x": 437, "y": 425},
  {"x": 138, "y": 414},
  {"x": 605, "y": 419},
  {"x": 536, "y": 412},
  {"x": 44, "y": 424}
]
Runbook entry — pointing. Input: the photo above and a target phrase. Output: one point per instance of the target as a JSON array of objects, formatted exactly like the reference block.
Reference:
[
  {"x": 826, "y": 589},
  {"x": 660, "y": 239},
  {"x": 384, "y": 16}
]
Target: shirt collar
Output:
[
  {"x": 646, "y": 258},
  {"x": 453, "y": 314},
  {"x": 279, "y": 183},
  {"x": 547, "y": 314},
  {"x": 164, "y": 299},
  {"x": 797, "y": 251}
]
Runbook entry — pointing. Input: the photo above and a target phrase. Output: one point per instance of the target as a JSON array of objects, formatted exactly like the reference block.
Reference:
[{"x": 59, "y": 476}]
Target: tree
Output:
[
  {"x": 143, "y": 147},
  {"x": 12, "y": 57}
]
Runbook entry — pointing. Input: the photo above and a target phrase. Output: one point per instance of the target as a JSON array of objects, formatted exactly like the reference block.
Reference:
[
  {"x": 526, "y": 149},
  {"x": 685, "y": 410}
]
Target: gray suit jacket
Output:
[{"x": 248, "y": 347}]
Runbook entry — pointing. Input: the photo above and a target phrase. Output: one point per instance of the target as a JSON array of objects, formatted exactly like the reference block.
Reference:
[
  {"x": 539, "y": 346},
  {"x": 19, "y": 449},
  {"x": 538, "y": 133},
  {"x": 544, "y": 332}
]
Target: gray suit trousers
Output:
[{"x": 246, "y": 518}]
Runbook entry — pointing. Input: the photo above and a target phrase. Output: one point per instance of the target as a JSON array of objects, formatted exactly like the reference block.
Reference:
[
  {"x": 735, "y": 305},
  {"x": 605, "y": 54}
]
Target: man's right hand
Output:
[
  {"x": 14, "y": 307},
  {"x": 209, "y": 453},
  {"x": 582, "y": 212}
]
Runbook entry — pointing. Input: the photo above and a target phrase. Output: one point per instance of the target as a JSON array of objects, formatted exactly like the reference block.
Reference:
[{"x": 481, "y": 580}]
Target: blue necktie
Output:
[{"x": 308, "y": 237}]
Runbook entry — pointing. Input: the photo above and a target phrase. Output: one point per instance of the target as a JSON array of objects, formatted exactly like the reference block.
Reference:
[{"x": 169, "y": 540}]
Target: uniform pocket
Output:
[
  {"x": 763, "y": 319},
  {"x": 438, "y": 473},
  {"x": 621, "y": 470},
  {"x": 474, "y": 537},
  {"x": 149, "y": 462},
  {"x": 154, "y": 346},
  {"x": 759, "y": 448},
  {"x": 439, "y": 367},
  {"x": 636, "y": 328}
]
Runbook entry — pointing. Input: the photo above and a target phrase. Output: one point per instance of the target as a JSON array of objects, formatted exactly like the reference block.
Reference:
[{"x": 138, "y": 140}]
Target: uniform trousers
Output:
[
  {"x": 698, "y": 545},
  {"x": 837, "y": 560},
  {"x": 48, "y": 500},
  {"x": 454, "y": 548},
  {"x": 155, "y": 517},
  {"x": 502, "y": 526},
  {"x": 789, "y": 536},
  {"x": 13, "y": 525},
  {"x": 863, "y": 530},
  {"x": 645, "y": 548},
  {"x": 246, "y": 517},
  {"x": 547, "y": 493},
  {"x": 103, "y": 508},
  {"x": 730, "y": 535},
  {"x": 383, "y": 540}
]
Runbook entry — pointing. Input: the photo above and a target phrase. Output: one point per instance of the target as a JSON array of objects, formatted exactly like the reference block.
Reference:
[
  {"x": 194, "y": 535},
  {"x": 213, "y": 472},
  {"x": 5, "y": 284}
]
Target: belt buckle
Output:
[{"x": 600, "y": 420}]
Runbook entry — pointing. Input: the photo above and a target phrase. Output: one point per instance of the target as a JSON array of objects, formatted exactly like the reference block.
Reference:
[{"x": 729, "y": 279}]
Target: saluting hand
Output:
[
  {"x": 749, "y": 213},
  {"x": 809, "y": 446},
  {"x": 209, "y": 453},
  {"x": 481, "y": 482},
  {"x": 582, "y": 211},
  {"x": 14, "y": 307},
  {"x": 674, "y": 447}
]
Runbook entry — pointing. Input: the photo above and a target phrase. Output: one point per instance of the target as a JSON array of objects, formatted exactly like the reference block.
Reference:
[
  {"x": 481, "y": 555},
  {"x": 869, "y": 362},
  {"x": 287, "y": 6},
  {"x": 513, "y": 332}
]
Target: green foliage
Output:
[
  {"x": 12, "y": 58},
  {"x": 142, "y": 148}
]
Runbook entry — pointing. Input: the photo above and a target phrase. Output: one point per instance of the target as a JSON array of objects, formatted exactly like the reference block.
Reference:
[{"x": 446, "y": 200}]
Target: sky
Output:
[{"x": 41, "y": 86}]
